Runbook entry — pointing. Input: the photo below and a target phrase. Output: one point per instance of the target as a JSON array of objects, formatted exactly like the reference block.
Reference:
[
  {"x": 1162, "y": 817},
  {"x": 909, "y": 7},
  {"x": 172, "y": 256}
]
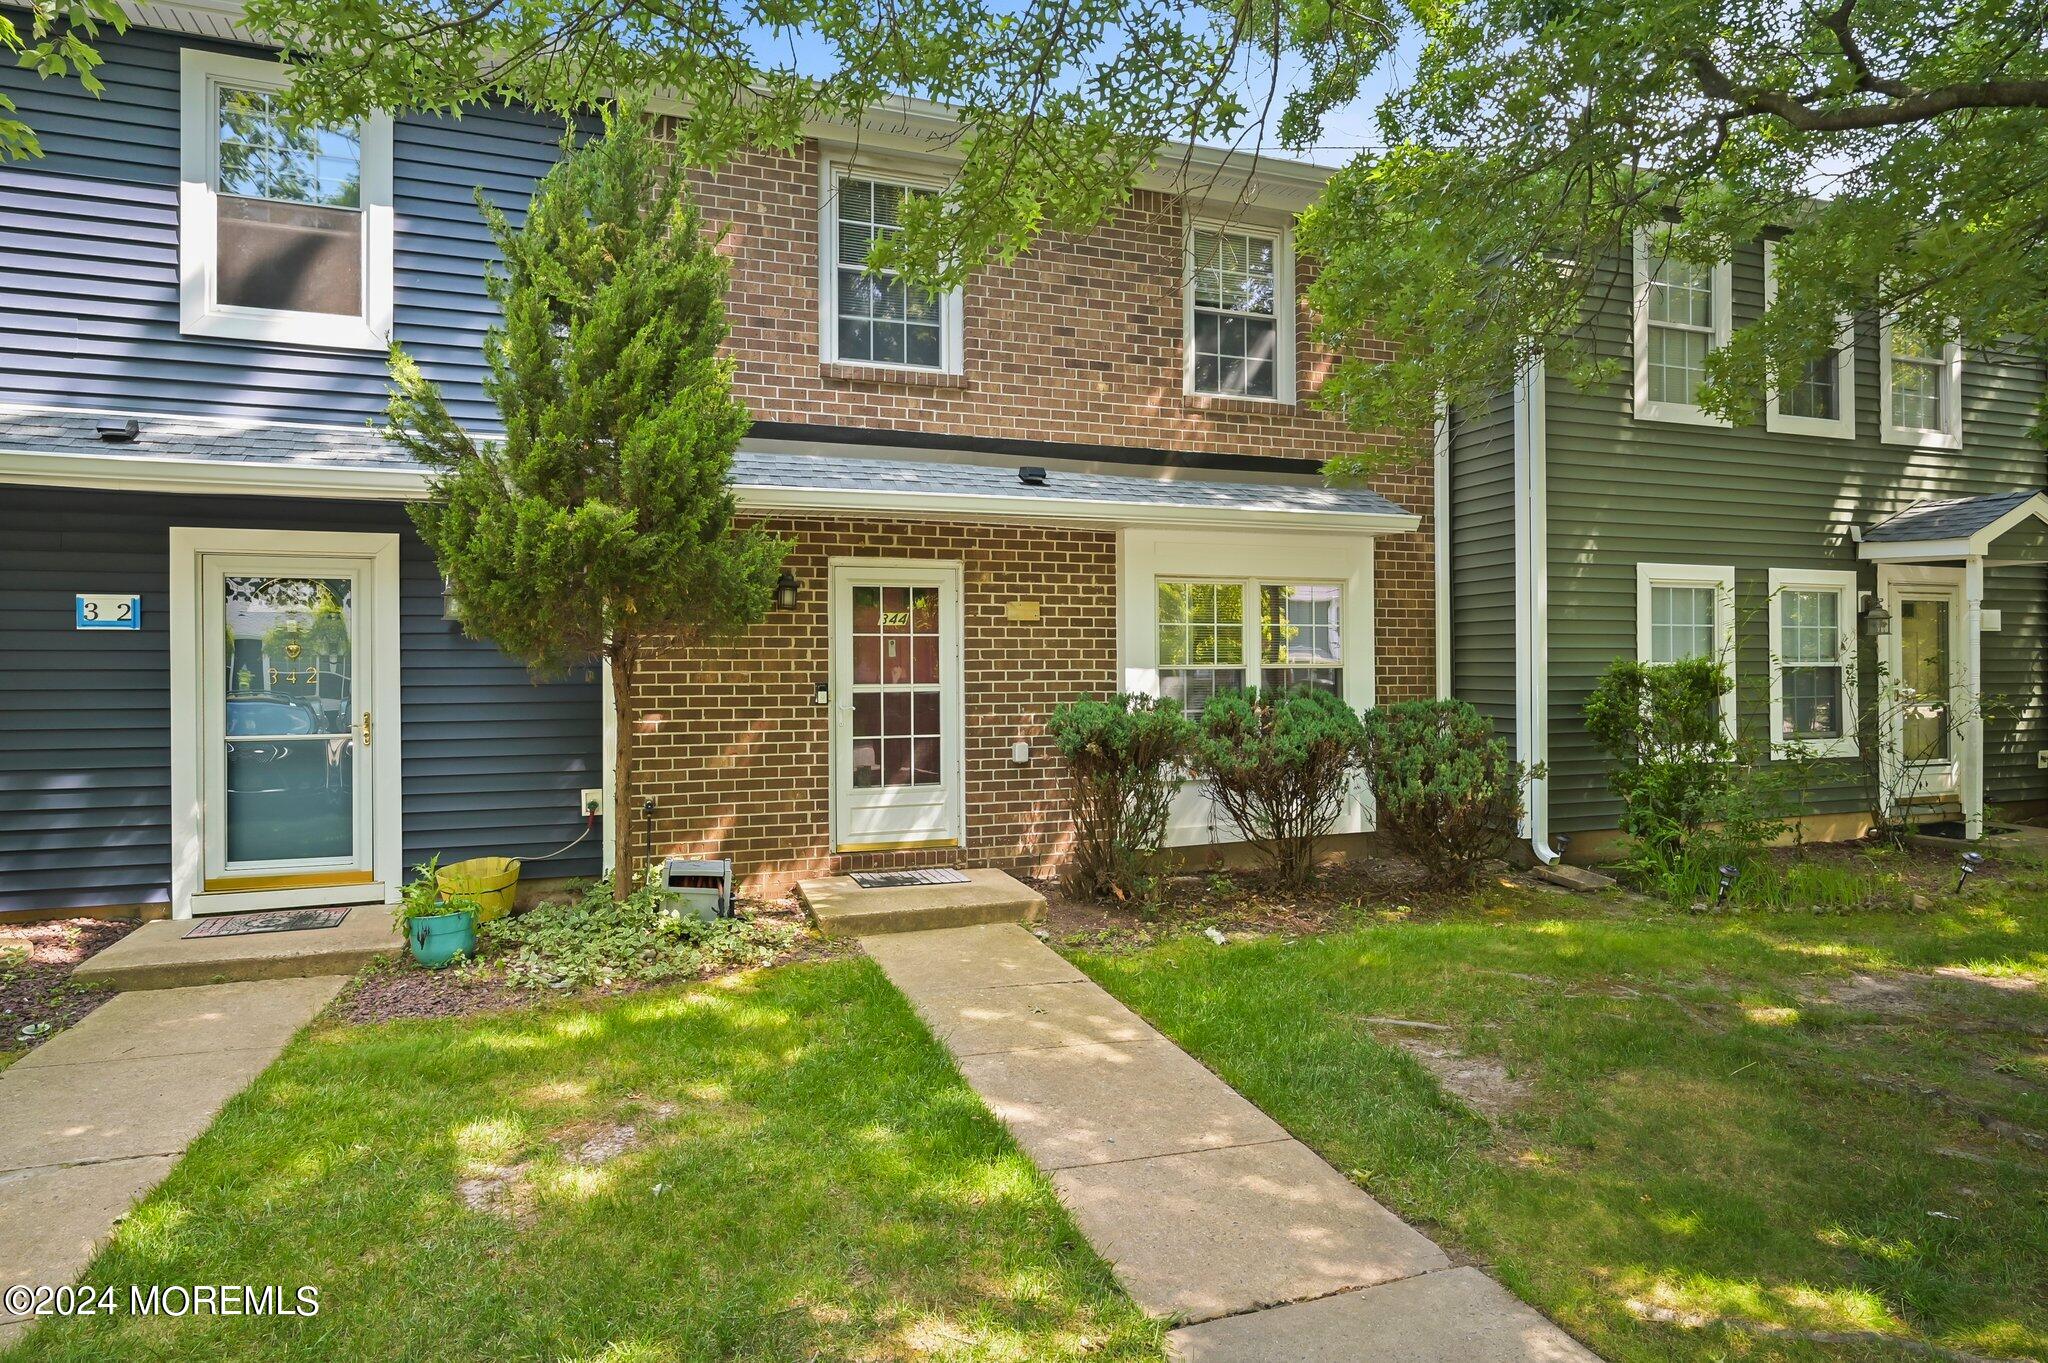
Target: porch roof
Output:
[
  {"x": 212, "y": 455},
  {"x": 1961, "y": 528}
]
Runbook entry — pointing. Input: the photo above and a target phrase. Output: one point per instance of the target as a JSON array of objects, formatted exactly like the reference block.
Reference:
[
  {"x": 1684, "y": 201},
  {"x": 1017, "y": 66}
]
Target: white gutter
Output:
[
  {"x": 1532, "y": 601},
  {"x": 1441, "y": 525},
  {"x": 214, "y": 477}
]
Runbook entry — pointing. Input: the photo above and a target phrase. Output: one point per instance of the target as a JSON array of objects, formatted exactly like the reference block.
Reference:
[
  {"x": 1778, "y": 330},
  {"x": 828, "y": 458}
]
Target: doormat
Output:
[
  {"x": 898, "y": 880},
  {"x": 271, "y": 920}
]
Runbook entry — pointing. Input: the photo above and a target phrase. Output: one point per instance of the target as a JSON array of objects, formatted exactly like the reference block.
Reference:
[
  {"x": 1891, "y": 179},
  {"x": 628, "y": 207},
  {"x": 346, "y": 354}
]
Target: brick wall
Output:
[
  {"x": 1078, "y": 341},
  {"x": 736, "y": 754}
]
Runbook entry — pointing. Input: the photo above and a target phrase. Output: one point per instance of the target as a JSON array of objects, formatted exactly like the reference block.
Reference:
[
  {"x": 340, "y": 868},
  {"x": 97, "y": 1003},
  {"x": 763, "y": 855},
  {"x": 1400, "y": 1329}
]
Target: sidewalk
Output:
[
  {"x": 95, "y": 1117},
  {"x": 1210, "y": 1213}
]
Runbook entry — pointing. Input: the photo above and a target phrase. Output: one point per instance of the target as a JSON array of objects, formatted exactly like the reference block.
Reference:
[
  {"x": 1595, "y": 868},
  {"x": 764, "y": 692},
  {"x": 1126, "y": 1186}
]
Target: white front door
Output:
[
  {"x": 898, "y": 774},
  {"x": 1924, "y": 669},
  {"x": 285, "y": 720}
]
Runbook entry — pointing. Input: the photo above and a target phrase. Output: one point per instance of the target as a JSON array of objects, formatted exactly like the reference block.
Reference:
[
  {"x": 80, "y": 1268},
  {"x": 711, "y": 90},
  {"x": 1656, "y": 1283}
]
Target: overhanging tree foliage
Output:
[
  {"x": 601, "y": 524},
  {"x": 1902, "y": 140}
]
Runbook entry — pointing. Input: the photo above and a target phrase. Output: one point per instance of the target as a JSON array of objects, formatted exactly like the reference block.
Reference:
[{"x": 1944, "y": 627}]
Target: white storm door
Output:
[
  {"x": 287, "y": 710},
  {"x": 1926, "y": 673},
  {"x": 898, "y": 769}
]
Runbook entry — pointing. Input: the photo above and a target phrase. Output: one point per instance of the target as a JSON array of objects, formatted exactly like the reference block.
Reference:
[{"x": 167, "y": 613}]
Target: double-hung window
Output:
[
  {"x": 1240, "y": 305},
  {"x": 873, "y": 316},
  {"x": 1687, "y": 610},
  {"x": 1921, "y": 401},
  {"x": 1821, "y": 398},
  {"x": 284, "y": 228},
  {"x": 1681, "y": 317},
  {"x": 1209, "y": 643},
  {"x": 1813, "y": 662}
]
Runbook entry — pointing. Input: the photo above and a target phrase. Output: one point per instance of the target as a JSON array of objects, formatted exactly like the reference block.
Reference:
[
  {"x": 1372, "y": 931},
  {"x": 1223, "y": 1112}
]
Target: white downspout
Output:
[
  {"x": 1973, "y": 691},
  {"x": 1532, "y": 601},
  {"x": 1441, "y": 524}
]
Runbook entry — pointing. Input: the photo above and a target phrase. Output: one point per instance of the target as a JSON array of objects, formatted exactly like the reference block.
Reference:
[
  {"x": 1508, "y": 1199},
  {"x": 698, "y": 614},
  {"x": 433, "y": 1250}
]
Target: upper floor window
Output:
[
  {"x": 1822, "y": 399},
  {"x": 1240, "y": 314},
  {"x": 1921, "y": 402},
  {"x": 1681, "y": 315},
  {"x": 875, "y": 316},
  {"x": 284, "y": 230}
]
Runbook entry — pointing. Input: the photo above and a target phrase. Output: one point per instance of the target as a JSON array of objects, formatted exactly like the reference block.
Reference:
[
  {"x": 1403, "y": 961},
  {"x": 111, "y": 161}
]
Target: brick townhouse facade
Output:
[
  {"x": 1096, "y": 468},
  {"x": 1072, "y": 353}
]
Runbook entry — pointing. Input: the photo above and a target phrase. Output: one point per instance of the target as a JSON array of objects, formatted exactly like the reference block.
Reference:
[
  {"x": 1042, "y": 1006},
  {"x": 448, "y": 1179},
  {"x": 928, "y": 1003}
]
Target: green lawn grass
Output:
[
  {"x": 1702, "y": 1135},
  {"x": 808, "y": 1178}
]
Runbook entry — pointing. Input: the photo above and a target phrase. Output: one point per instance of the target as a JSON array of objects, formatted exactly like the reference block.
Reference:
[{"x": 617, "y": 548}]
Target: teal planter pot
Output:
[{"x": 437, "y": 939}]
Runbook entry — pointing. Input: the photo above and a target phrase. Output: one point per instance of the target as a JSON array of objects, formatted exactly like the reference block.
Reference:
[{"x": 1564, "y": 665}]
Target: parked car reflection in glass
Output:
[{"x": 276, "y": 743}]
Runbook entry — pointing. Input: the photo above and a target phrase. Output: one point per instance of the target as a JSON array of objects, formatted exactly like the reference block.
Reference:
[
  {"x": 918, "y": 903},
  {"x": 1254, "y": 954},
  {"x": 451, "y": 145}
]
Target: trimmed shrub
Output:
[
  {"x": 1280, "y": 764},
  {"x": 1447, "y": 791},
  {"x": 1124, "y": 758},
  {"x": 1686, "y": 787}
]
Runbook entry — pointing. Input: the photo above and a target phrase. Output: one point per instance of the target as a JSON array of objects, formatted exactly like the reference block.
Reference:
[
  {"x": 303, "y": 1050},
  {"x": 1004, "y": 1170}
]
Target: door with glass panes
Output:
[
  {"x": 897, "y": 708},
  {"x": 287, "y": 716}
]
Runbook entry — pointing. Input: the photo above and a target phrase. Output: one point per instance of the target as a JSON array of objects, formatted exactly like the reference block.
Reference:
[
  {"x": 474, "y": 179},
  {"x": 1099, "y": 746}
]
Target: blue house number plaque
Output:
[{"x": 109, "y": 610}]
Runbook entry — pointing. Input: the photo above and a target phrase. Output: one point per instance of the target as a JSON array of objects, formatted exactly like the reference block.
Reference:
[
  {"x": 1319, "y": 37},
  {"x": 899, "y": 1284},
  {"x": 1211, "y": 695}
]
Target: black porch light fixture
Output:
[
  {"x": 786, "y": 588},
  {"x": 1877, "y": 621}
]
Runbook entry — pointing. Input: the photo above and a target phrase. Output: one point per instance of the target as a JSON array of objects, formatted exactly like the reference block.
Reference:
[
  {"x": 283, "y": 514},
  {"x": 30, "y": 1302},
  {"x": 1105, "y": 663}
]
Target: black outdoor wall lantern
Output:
[{"x": 785, "y": 590}]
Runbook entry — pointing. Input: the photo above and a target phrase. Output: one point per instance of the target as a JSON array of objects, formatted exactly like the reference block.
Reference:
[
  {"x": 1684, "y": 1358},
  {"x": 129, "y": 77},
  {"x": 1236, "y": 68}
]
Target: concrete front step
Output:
[
  {"x": 159, "y": 956},
  {"x": 841, "y": 908}
]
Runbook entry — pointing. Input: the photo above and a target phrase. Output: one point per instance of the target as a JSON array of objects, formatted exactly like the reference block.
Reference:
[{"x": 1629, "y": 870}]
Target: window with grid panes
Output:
[
  {"x": 881, "y": 318},
  {"x": 1236, "y": 325}
]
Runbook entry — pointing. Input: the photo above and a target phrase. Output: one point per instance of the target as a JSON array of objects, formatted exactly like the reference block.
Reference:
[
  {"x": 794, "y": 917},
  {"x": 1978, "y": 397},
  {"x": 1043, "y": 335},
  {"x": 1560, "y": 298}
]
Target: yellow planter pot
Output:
[{"x": 490, "y": 881}]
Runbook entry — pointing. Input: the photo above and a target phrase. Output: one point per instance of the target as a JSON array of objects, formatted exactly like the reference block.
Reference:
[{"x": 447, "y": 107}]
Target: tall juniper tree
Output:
[{"x": 602, "y": 523}]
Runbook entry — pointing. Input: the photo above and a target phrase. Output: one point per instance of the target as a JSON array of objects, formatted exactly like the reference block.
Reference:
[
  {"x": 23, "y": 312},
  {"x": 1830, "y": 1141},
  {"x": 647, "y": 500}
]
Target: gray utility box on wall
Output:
[{"x": 697, "y": 889}]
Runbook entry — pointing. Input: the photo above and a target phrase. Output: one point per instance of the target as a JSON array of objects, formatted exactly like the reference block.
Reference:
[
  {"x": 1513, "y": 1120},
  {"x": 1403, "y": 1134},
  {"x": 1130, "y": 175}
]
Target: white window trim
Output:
[
  {"x": 1950, "y": 437},
  {"x": 1146, "y": 556},
  {"x": 1682, "y": 413},
  {"x": 952, "y": 310},
  {"x": 1721, "y": 577},
  {"x": 1842, "y": 427},
  {"x": 1843, "y": 583},
  {"x": 201, "y": 75},
  {"x": 1283, "y": 308}
]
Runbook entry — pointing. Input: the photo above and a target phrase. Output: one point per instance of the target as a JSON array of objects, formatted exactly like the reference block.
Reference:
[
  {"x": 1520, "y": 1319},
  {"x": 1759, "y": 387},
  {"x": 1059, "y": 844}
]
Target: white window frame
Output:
[
  {"x": 1145, "y": 557},
  {"x": 202, "y": 74},
  {"x": 1842, "y": 427},
  {"x": 1283, "y": 308},
  {"x": 1950, "y": 436},
  {"x": 1721, "y": 577},
  {"x": 1683, "y": 413},
  {"x": 1842, "y": 582},
  {"x": 952, "y": 309}
]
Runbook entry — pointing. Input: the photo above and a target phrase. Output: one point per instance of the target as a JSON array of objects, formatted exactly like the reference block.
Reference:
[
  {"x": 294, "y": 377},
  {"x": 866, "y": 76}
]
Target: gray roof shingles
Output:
[
  {"x": 1952, "y": 519},
  {"x": 284, "y": 444}
]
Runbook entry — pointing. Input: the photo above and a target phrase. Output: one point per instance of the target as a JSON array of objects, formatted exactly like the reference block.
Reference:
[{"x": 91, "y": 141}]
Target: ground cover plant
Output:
[
  {"x": 1775, "y": 1137},
  {"x": 774, "y": 1166}
]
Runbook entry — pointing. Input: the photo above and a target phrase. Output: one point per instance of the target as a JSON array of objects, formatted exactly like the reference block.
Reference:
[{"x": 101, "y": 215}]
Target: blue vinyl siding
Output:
[
  {"x": 89, "y": 256},
  {"x": 493, "y": 761}
]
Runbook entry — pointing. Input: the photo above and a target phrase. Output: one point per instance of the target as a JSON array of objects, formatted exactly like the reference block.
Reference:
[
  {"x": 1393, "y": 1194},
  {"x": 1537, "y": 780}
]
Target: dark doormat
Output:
[
  {"x": 270, "y": 920},
  {"x": 897, "y": 880}
]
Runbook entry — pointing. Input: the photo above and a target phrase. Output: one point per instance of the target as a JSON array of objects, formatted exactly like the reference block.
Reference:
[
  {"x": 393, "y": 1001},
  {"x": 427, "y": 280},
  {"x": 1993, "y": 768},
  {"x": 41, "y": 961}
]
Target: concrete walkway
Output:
[
  {"x": 1210, "y": 1213},
  {"x": 95, "y": 1117}
]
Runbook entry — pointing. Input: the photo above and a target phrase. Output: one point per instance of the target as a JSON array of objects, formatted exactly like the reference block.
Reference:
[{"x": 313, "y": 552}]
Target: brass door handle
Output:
[{"x": 366, "y": 728}]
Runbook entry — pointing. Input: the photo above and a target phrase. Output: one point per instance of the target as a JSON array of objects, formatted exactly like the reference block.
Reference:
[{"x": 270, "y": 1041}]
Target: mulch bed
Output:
[
  {"x": 398, "y": 988},
  {"x": 1245, "y": 900},
  {"x": 36, "y": 961}
]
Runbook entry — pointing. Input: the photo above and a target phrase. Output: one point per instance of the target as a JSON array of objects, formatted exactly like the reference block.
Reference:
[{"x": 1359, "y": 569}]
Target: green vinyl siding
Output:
[
  {"x": 1623, "y": 491},
  {"x": 1482, "y": 576}
]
